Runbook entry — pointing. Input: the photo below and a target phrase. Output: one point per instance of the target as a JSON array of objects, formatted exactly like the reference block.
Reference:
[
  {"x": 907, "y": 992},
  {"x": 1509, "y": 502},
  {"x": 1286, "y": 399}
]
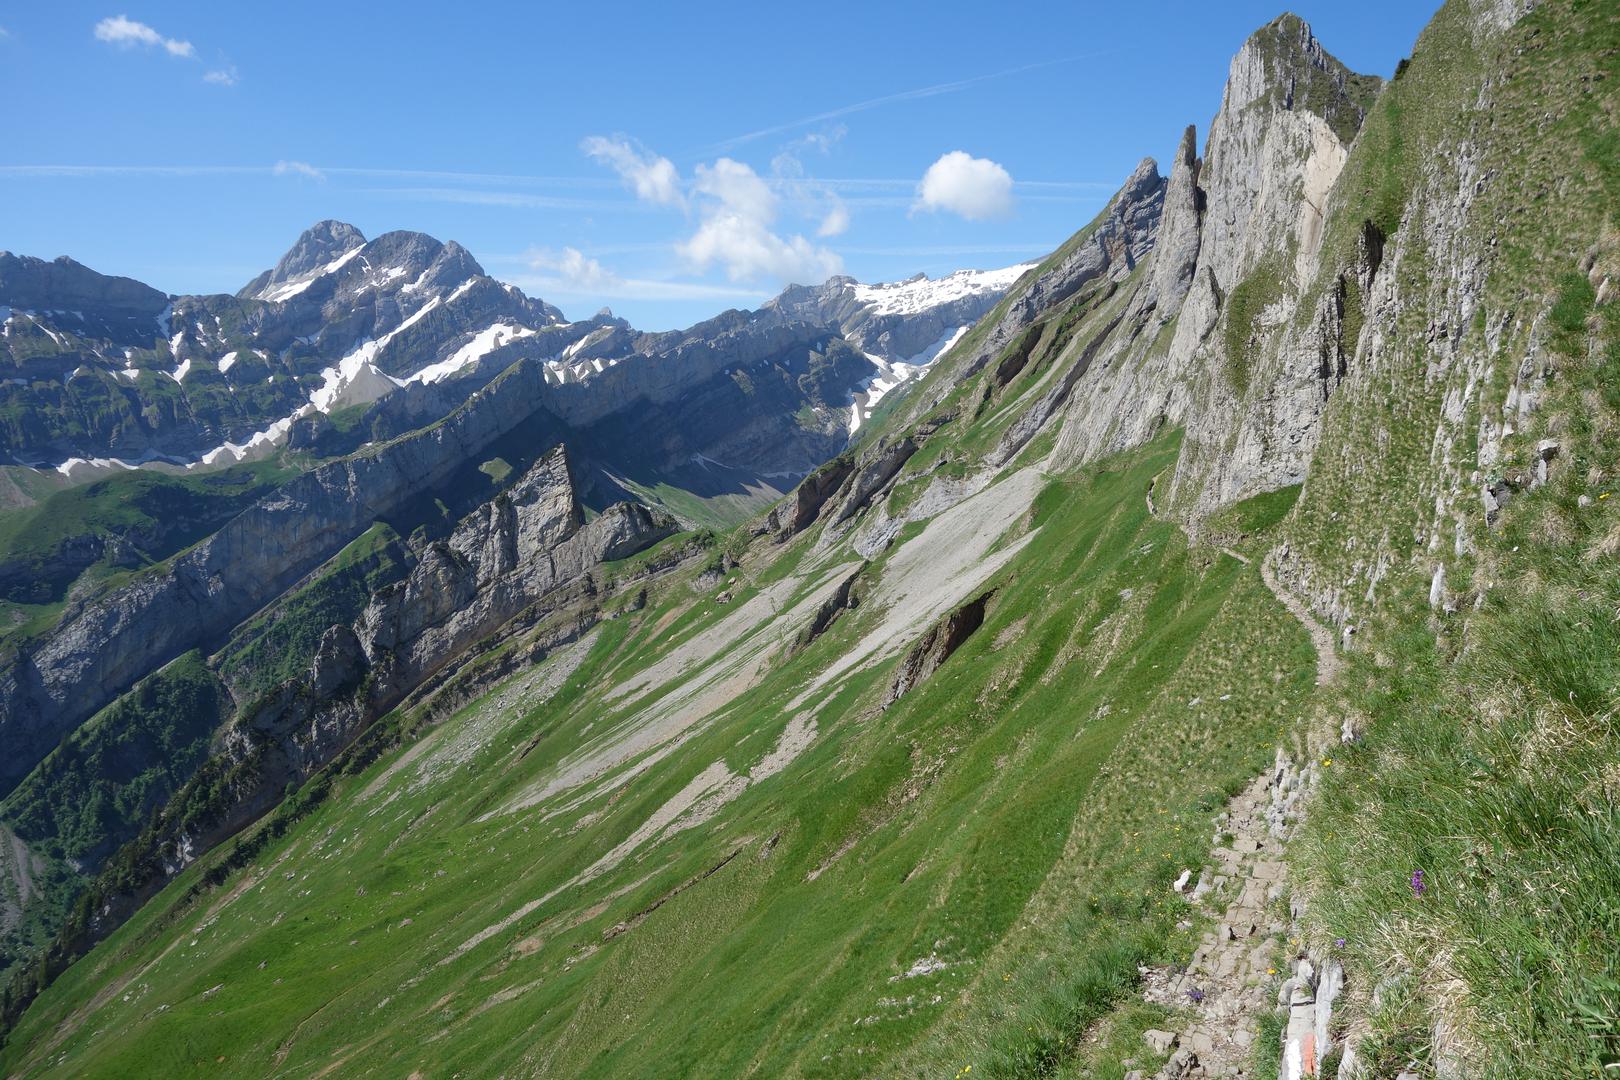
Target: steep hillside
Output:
[
  {"x": 423, "y": 392},
  {"x": 1207, "y": 669}
]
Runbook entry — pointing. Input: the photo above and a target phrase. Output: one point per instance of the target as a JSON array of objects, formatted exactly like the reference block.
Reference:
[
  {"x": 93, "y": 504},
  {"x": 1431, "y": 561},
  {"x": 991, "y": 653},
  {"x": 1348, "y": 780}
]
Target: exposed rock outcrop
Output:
[
  {"x": 871, "y": 476},
  {"x": 505, "y": 556},
  {"x": 936, "y": 646},
  {"x": 812, "y": 494},
  {"x": 1109, "y": 247},
  {"x": 1175, "y": 251},
  {"x": 1201, "y": 343},
  {"x": 846, "y": 598}
]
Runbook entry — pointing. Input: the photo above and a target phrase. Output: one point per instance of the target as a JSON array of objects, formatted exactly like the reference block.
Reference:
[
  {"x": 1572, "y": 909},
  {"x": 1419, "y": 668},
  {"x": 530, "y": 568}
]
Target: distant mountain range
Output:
[{"x": 346, "y": 340}]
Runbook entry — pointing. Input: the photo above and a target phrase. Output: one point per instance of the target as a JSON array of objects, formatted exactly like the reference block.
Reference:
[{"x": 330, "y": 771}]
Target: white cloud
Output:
[
  {"x": 837, "y": 220},
  {"x": 737, "y": 210},
  {"x": 298, "y": 168},
  {"x": 572, "y": 267},
  {"x": 225, "y": 76},
  {"x": 571, "y": 273},
  {"x": 975, "y": 188},
  {"x": 126, "y": 33},
  {"x": 788, "y": 176},
  {"x": 650, "y": 176}
]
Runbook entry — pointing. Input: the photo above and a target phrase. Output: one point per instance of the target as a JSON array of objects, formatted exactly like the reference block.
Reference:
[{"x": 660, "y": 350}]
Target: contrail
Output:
[{"x": 889, "y": 99}]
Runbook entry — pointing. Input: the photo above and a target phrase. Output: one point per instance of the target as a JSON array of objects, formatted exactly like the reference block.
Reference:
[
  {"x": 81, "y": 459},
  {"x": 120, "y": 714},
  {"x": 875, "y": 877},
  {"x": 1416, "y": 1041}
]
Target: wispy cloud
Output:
[
  {"x": 790, "y": 178},
  {"x": 516, "y": 199},
  {"x": 891, "y": 99},
  {"x": 297, "y": 168},
  {"x": 925, "y": 251},
  {"x": 573, "y": 266},
  {"x": 650, "y": 176},
  {"x": 70, "y": 171},
  {"x": 226, "y": 76},
  {"x": 900, "y": 187},
  {"x": 572, "y": 273},
  {"x": 126, "y": 33},
  {"x": 555, "y": 285}
]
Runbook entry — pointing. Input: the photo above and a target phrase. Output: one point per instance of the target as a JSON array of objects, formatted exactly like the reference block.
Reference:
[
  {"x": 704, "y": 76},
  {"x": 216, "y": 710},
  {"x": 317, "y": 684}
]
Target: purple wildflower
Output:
[
  {"x": 1196, "y": 996},
  {"x": 1418, "y": 885},
  {"x": 1338, "y": 943}
]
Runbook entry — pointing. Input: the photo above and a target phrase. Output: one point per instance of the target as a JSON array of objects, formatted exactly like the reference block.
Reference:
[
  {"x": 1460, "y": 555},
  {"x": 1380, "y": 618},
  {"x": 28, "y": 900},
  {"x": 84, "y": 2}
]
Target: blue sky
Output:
[{"x": 668, "y": 160}]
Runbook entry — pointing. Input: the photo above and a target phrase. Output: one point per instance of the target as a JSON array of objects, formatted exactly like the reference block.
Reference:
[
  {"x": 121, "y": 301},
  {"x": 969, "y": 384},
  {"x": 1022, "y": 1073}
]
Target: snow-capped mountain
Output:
[
  {"x": 901, "y": 326},
  {"x": 102, "y": 373}
]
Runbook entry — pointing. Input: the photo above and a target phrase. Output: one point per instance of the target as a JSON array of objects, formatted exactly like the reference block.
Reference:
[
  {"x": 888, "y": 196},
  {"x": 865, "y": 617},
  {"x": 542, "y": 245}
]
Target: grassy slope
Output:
[
  {"x": 1000, "y": 818},
  {"x": 1486, "y": 759},
  {"x": 1017, "y": 817}
]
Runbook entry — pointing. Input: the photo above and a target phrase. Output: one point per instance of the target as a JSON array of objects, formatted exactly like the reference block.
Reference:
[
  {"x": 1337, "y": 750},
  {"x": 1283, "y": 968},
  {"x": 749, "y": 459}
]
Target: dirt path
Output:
[
  {"x": 1327, "y": 657},
  {"x": 1232, "y": 977}
]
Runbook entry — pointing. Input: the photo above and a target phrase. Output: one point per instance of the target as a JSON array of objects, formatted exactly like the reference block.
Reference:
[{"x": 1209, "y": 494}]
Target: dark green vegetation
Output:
[
  {"x": 94, "y": 791},
  {"x": 1248, "y": 300},
  {"x": 1488, "y": 764},
  {"x": 118, "y": 524},
  {"x": 103, "y": 784},
  {"x": 1253, "y": 516},
  {"x": 279, "y": 645}
]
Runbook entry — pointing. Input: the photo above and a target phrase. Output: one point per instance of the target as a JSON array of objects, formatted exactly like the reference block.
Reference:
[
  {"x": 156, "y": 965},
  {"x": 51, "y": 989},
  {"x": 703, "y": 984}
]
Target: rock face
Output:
[
  {"x": 524, "y": 555},
  {"x": 64, "y": 285},
  {"x": 871, "y": 477},
  {"x": 1197, "y": 341},
  {"x": 1175, "y": 255},
  {"x": 102, "y": 648},
  {"x": 320, "y": 244},
  {"x": 811, "y": 495},
  {"x": 1107, "y": 250},
  {"x": 506, "y": 555},
  {"x": 936, "y": 646},
  {"x": 116, "y": 370}
]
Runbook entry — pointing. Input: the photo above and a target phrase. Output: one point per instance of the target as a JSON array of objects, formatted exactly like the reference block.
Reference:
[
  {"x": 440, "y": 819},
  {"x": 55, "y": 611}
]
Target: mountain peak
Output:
[
  {"x": 1284, "y": 66},
  {"x": 316, "y": 246}
]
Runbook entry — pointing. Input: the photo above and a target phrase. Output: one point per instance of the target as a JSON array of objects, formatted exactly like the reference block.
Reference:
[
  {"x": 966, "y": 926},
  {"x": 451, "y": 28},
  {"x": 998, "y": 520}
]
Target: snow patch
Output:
[
  {"x": 356, "y": 380},
  {"x": 258, "y": 445},
  {"x": 288, "y": 289},
  {"x": 483, "y": 343},
  {"x": 889, "y": 376},
  {"x": 922, "y": 293},
  {"x": 83, "y": 468},
  {"x": 227, "y": 361}
]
